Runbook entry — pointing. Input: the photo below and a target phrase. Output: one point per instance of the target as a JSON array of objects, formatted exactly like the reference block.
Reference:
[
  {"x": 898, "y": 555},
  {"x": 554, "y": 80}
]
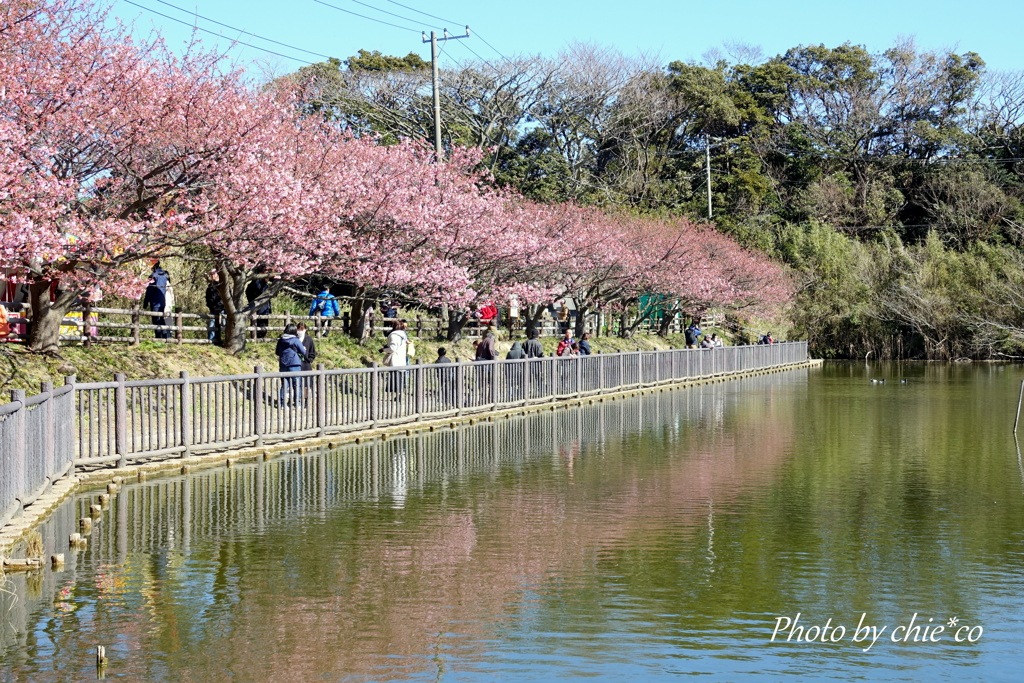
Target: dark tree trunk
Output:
[
  {"x": 625, "y": 329},
  {"x": 46, "y": 316},
  {"x": 581, "y": 321},
  {"x": 238, "y": 310},
  {"x": 532, "y": 318},
  {"x": 665, "y": 326},
  {"x": 361, "y": 312},
  {"x": 232, "y": 285},
  {"x": 441, "y": 334},
  {"x": 456, "y": 321}
]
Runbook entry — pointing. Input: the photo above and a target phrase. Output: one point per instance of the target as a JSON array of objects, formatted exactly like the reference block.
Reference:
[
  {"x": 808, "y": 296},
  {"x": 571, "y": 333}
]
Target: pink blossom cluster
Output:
[{"x": 112, "y": 151}]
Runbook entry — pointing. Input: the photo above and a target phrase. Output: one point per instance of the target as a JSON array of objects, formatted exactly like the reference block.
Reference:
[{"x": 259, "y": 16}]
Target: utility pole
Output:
[
  {"x": 438, "y": 152},
  {"x": 707, "y": 164}
]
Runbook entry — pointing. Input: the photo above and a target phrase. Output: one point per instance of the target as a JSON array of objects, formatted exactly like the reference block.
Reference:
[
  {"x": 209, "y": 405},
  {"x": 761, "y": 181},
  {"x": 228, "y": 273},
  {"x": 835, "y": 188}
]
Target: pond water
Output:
[{"x": 650, "y": 538}]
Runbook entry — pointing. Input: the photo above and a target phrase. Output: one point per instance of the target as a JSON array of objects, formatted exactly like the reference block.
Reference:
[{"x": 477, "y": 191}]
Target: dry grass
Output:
[{"x": 34, "y": 545}]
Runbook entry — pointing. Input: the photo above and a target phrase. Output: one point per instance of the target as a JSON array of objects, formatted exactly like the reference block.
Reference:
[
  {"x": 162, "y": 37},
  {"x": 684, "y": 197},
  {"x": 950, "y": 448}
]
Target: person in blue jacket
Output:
[
  {"x": 326, "y": 306},
  {"x": 291, "y": 353}
]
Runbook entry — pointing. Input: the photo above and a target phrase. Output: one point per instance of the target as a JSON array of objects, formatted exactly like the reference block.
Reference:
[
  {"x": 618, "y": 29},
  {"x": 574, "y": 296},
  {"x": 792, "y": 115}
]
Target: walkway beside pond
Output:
[{"x": 164, "y": 423}]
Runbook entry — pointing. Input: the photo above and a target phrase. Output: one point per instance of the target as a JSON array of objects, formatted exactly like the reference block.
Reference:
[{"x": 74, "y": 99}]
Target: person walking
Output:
[
  {"x": 326, "y": 306},
  {"x": 215, "y": 304},
  {"x": 291, "y": 354},
  {"x": 156, "y": 297}
]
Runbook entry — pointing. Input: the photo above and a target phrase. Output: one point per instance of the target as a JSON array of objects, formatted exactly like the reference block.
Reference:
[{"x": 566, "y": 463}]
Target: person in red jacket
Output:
[
  {"x": 565, "y": 344},
  {"x": 488, "y": 312}
]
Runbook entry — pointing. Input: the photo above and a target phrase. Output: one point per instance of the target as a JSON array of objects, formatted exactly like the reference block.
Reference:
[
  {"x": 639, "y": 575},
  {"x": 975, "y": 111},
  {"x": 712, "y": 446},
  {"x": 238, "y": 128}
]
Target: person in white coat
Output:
[{"x": 396, "y": 354}]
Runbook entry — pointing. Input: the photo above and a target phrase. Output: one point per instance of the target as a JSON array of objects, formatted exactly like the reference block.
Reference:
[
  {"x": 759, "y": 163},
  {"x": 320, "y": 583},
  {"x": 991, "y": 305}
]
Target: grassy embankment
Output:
[{"x": 151, "y": 359}]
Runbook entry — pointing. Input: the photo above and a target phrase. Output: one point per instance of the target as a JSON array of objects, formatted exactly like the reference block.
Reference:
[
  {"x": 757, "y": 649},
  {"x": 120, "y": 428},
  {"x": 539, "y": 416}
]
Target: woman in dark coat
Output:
[
  {"x": 290, "y": 356},
  {"x": 515, "y": 373},
  {"x": 307, "y": 343}
]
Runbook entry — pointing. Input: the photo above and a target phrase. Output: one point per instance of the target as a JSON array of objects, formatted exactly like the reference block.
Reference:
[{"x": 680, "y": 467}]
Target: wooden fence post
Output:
[
  {"x": 493, "y": 370},
  {"x": 257, "y": 405},
  {"x": 321, "y": 398},
  {"x": 86, "y": 314},
  {"x": 48, "y": 436},
  {"x": 20, "y": 448},
  {"x": 460, "y": 383},
  {"x": 71, "y": 379},
  {"x": 186, "y": 413},
  {"x": 420, "y": 388},
  {"x": 177, "y": 324},
  {"x": 136, "y": 333},
  {"x": 374, "y": 392},
  {"x": 121, "y": 420}
]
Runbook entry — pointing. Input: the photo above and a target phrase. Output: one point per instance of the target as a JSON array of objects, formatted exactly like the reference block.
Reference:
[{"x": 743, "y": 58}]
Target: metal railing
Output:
[{"x": 121, "y": 422}]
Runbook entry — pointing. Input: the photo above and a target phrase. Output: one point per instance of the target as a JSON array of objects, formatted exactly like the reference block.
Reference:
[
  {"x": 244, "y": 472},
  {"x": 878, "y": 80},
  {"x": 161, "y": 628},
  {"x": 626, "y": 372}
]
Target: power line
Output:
[
  {"x": 363, "y": 16},
  {"x": 234, "y": 28},
  {"x": 491, "y": 46},
  {"x": 432, "y": 16},
  {"x": 399, "y": 16},
  {"x": 214, "y": 33},
  {"x": 466, "y": 45}
]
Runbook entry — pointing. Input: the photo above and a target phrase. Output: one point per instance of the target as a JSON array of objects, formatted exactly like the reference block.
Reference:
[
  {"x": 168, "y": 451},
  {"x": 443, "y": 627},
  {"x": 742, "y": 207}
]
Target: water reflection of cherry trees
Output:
[{"x": 383, "y": 560}]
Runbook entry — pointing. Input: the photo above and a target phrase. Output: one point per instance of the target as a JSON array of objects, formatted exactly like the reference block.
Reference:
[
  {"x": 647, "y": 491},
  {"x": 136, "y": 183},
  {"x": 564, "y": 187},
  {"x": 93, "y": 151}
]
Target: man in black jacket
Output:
[
  {"x": 536, "y": 377},
  {"x": 216, "y": 306},
  {"x": 533, "y": 348}
]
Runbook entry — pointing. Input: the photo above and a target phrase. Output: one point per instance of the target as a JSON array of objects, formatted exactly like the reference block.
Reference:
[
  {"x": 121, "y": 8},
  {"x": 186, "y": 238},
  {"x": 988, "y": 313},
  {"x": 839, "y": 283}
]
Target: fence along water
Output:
[
  {"x": 119, "y": 422},
  {"x": 37, "y": 445}
]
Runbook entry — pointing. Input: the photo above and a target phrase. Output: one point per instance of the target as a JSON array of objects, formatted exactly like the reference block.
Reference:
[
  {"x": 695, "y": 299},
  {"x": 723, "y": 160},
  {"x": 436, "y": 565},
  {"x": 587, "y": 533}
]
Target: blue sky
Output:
[{"x": 670, "y": 30}]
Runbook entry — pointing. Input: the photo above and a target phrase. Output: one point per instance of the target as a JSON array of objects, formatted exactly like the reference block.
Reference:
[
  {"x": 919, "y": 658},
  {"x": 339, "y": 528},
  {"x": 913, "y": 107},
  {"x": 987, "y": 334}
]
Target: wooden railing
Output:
[{"x": 119, "y": 325}]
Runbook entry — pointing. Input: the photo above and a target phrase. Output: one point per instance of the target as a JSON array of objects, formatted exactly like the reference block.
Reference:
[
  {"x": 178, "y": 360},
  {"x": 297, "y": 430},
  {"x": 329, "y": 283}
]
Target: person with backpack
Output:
[
  {"x": 156, "y": 298},
  {"x": 692, "y": 335}
]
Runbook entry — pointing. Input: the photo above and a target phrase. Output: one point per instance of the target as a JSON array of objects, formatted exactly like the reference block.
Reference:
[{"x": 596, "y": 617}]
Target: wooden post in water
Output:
[{"x": 1019, "y": 399}]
